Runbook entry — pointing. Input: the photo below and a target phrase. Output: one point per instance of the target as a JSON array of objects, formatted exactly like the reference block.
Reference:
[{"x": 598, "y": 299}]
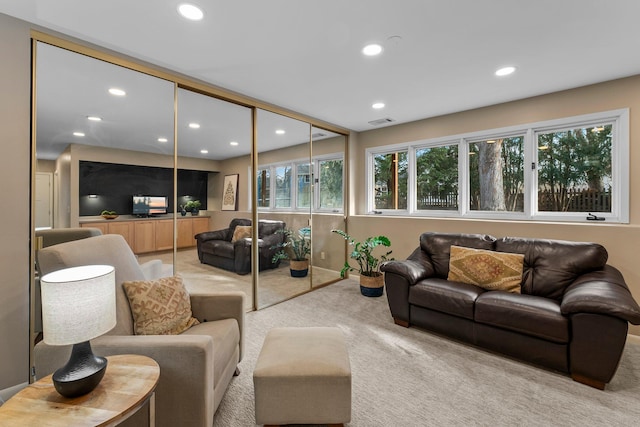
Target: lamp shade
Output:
[{"x": 78, "y": 304}]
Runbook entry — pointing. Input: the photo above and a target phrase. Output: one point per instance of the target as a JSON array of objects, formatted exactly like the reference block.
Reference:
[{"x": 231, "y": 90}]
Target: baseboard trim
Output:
[{"x": 6, "y": 393}]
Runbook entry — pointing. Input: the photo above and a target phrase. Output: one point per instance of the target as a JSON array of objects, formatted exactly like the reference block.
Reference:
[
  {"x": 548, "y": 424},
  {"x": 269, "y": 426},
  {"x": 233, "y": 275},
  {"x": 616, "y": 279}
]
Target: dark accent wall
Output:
[{"x": 115, "y": 184}]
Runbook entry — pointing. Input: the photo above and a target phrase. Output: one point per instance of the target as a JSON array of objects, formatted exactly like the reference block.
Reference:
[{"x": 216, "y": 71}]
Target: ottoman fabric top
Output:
[{"x": 315, "y": 351}]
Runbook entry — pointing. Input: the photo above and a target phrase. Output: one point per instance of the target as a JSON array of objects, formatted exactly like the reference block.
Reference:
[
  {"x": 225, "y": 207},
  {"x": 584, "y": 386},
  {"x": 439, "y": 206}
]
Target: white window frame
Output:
[
  {"x": 315, "y": 189},
  {"x": 619, "y": 119}
]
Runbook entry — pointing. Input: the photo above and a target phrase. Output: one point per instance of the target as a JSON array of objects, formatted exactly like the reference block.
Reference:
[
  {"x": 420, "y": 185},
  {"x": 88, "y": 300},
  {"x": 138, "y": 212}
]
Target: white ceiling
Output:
[{"x": 306, "y": 55}]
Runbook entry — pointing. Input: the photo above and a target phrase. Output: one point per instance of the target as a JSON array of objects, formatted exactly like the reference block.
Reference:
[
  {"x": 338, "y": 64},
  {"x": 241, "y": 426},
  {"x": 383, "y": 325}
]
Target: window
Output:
[
  {"x": 264, "y": 187},
  {"x": 574, "y": 169},
  {"x": 437, "y": 178},
  {"x": 294, "y": 184},
  {"x": 560, "y": 170},
  {"x": 496, "y": 174},
  {"x": 391, "y": 180},
  {"x": 283, "y": 186},
  {"x": 330, "y": 184}
]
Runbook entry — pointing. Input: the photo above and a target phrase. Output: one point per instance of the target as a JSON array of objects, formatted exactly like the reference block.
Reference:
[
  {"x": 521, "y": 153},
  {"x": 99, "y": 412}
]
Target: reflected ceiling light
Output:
[
  {"x": 472, "y": 153},
  {"x": 94, "y": 118},
  {"x": 234, "y": 143},
  {"x": 372, "y": 49},
  {"x": 189, "y": 11},
  {"x": 280, "y": 132},
  {"x": 194, "y": 125},
  {"x": 543, "y": 147},
  {"x": 505, "y": 71},
  {"x": 378, "y": 105},
  {"x": 597, "y": 129},
  {"x": 163, "y": 140},
  {"x": 491, "y": 141},
  {"x": 204, "y": 151},
  {"x": 117, "y": 92},
  {"x": 78, "y": 134}
]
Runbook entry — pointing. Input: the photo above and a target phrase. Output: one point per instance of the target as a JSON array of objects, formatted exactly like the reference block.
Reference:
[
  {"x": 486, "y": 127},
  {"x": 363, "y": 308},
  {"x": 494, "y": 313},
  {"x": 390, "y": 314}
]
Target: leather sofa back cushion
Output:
[
  {"x": 490, "y": 270},
  {"x": 267, "y": 227},
  {"x": 552, "y": 265},
  {"x": 438, "y": 246}
]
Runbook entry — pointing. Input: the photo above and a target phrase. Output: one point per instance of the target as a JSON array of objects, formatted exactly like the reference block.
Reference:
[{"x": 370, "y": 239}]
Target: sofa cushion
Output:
[
  {"x": 497, "y": 271},
  {"x": 527, "y": 314},
  {"x": 220, "y": 248},
  {"x": 226, "y": 339},
  {"x": 552, "y": 265},
  {"x": 438, "y": 245},
  {"x": 159, "y": 307},
  {"x": 241, "y": 232},
  {"x": 448, "y": 297}
]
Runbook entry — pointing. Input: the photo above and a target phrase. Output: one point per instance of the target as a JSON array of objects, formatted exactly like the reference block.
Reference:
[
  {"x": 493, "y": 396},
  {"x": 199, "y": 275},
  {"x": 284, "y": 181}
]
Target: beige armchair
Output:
[{"x": 195, "y": 366}]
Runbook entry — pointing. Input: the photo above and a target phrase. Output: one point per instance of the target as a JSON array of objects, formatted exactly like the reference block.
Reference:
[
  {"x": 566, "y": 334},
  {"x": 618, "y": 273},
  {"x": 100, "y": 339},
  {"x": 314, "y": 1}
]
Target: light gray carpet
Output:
[{"x": 409, "y": 377}]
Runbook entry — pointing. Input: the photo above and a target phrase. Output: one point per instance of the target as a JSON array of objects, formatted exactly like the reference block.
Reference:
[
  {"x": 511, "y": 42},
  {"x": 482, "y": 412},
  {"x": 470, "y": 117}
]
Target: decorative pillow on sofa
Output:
[
  {"x": 241, "y": 232},
  {"x": 494, "y": 271},
  {"x": 159, "y": 307}
]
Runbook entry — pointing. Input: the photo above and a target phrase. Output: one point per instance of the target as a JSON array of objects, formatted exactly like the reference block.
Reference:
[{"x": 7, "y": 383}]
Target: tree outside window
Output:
[
  {"x": 437, "y": 178},
  {"x": 264, "y": 189},
  {"x": 303, "y": 172},
  {"x": 283, "y": 186},
  {"x": 391, "y": 180},
  {"x": 330, "y": 183}
]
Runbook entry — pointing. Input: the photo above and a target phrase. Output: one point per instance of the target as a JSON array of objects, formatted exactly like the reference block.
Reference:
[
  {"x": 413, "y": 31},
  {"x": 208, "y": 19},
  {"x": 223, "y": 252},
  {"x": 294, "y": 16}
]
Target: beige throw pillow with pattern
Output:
[
  {"x": 494, "y": 271},
  {"x": 159, "y": 307}
]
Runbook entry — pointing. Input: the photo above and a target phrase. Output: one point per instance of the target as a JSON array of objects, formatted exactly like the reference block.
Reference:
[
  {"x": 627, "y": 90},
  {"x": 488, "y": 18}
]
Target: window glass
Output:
[
  {"x": 283, "y": 186},
  {"x": 330, "y": 183},
  {"x": 264, "y": 177},
  {"x": 574, "y": 169},
  {"x": 496, "y": 174},
  {"x": 391, "y": 180},
  {"x": 437, "y": 178},
  {"x": 303, "y": 172}
]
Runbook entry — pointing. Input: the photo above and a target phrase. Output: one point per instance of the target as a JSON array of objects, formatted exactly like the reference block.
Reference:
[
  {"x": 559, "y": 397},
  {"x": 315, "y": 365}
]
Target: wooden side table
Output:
[{"x": 128, "y": 384}]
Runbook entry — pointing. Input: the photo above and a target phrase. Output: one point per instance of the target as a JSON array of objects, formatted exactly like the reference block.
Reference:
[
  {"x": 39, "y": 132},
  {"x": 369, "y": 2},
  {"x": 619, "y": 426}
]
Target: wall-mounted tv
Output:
[{"x": 149, "y": 205}]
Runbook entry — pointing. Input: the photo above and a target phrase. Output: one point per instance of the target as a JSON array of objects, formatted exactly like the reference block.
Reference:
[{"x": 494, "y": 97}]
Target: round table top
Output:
[{"x": 128, "y": 383}]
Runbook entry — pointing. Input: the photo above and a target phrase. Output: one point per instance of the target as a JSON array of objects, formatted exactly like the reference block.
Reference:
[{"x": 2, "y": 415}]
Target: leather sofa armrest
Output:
[
  {"x": 601, "y": 292},
  {"x": 412, "y": 271},
  {"x": 220, "y": 305},
  {"x": 212, "y": 235}
]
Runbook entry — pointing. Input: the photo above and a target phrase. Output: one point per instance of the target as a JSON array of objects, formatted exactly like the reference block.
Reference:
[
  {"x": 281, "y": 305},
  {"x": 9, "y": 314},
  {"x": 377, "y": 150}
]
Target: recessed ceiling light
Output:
[
  {"x": 378, "y": 105},
  {"x": 78, "y": 134},
  {"x": 194, "y": 125},
  {"x": 204, "y": 151},
  {"x": 234, "y": 143},
  {"x": 94, "y": 118},
  {"x": 190, "y": 11},
  {"x": 372, "y": 49},
  {"x": 162, "y": 139},
  {"x": 280, "y": 132},
  {"x": 505, "y": 71},
  {"x": 117, "y": 92}
]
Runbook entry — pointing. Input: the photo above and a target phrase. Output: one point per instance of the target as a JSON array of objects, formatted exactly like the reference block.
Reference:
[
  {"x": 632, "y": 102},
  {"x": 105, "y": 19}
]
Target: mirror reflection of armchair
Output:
[{"x": 220, "y": 249}]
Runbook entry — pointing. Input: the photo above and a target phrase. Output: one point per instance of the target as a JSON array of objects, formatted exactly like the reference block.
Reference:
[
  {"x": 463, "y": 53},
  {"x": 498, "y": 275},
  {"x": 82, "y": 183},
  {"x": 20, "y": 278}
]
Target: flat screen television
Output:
[{"x": 149, "y": 205}]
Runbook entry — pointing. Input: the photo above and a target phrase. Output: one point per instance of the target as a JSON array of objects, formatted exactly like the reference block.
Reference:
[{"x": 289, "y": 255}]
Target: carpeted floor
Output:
[{"x": 409, "y": 377}]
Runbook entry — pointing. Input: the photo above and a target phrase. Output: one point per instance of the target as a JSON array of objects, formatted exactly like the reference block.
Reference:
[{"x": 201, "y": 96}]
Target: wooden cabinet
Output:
[
  {"x": 150, "y": 235},
  {"x": 164, "y": 234},
  {"x": 145, "y": 236}
]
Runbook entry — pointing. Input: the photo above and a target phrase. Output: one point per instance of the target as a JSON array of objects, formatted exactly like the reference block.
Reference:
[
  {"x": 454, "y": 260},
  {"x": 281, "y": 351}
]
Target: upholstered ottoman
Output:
[{"x": 303, "y": 376}]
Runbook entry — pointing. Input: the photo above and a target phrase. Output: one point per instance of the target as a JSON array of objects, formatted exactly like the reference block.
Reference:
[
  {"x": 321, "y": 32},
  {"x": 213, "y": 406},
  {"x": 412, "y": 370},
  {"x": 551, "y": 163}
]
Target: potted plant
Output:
[
  {"x": 106, "y": 214},
  {"x": 295, "y": 247},
  {"x": 193, "y": 206},
  {"x": 371, "y": 279}
]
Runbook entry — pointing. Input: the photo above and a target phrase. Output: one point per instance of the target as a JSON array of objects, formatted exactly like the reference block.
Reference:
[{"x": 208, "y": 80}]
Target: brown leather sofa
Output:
[
  {"x": 571, "y": 316},
  {"x": 216, "y": 248}
]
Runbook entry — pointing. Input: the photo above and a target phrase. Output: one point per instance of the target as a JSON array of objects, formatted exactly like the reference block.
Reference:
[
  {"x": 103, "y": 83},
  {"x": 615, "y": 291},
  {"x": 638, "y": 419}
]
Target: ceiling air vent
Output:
[
  {"x": 381, "y": 121},
  {"x": 318, "y": 135}
]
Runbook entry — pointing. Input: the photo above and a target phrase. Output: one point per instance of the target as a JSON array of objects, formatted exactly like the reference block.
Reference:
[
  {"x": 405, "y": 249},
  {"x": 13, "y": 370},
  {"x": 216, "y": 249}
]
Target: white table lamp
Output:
[{"x": 78, "y": 304}]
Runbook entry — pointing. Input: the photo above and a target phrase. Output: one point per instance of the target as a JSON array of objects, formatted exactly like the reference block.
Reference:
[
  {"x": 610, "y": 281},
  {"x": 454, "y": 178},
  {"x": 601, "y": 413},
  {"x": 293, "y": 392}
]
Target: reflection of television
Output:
[{"x": 149, "y": 205}]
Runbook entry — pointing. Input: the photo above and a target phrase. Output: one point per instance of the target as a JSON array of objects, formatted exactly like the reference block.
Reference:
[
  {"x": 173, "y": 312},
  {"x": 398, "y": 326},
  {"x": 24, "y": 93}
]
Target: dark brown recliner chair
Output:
[{"x": 216, "y": 248}]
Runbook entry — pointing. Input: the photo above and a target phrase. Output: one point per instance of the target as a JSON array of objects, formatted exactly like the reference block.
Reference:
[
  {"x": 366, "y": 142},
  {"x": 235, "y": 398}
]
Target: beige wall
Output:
[
  {"x": 15, "y": 113},
  {"x": 619, "y": 239}
]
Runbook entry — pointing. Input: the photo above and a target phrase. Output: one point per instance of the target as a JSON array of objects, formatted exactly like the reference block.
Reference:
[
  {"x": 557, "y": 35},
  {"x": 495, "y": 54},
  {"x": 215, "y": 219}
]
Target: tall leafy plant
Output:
[
  {"x": 296, "y": 245},
  {"x": 362, "y": 253}
]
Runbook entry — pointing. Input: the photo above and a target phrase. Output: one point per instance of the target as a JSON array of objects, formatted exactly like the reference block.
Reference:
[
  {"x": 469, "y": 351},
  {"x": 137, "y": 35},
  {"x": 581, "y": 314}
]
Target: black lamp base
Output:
[{"x": 82, "y": 373}]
